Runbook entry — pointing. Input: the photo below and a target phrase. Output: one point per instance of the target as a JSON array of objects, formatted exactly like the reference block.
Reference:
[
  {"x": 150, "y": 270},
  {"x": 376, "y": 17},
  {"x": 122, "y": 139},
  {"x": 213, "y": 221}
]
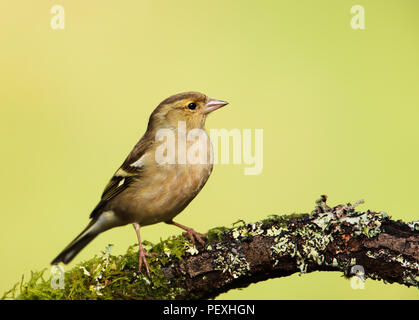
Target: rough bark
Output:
[
  {"x": 362, "y": 244},
  {"x": 366, "y": 245}
]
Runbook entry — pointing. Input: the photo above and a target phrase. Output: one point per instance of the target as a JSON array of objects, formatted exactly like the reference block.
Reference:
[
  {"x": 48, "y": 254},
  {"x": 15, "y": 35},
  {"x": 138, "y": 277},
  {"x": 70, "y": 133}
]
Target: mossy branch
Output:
[{"x": 328, "y": 239}]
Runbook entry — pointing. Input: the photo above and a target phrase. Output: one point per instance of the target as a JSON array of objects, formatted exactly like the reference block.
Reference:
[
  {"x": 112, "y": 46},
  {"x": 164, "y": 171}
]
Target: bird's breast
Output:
[{"x": 165, "y": 190}]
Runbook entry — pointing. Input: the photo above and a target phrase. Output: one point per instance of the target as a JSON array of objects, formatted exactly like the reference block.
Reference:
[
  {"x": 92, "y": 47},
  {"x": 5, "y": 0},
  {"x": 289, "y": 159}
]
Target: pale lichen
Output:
[
  {"x": 191, "y": 249},
  {"x": 414, "y": 225},
  {"x": 232, "y": 263},
  {"x": 307, "y": 242}
]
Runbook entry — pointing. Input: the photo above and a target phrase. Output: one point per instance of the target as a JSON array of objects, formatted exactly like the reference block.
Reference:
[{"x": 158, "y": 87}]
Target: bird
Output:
[{"x": 145, "y": 189}]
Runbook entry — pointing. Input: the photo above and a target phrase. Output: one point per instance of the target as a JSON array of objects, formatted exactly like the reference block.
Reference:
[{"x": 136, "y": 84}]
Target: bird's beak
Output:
[{"x": 214, "y": 104}]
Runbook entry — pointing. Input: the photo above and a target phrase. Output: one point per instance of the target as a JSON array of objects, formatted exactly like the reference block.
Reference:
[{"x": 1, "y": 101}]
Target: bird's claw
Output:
[
  {"x": 192, "y": 234},
  {"x": 142, "y": 254}
]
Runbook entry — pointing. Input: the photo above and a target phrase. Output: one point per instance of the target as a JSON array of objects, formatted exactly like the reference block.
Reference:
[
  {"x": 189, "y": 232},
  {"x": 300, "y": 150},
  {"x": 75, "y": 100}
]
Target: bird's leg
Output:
[
  {"x": 142, "y": 254},
  {"x": 191, "y": 232}
]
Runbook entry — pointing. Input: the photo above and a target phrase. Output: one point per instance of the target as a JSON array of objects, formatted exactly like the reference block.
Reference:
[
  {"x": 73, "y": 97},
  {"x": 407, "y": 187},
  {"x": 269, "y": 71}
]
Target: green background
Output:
[{"x": 339, "y": 110}]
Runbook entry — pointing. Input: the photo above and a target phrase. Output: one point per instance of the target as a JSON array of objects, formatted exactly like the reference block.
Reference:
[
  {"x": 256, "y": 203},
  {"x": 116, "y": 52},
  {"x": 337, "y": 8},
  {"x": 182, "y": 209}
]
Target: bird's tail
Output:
[{"x": 82, "y": 240}]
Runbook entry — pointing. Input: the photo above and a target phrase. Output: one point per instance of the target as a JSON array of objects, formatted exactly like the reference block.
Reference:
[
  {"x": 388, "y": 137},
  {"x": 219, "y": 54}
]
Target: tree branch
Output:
[{"x": 329, "y": 239}]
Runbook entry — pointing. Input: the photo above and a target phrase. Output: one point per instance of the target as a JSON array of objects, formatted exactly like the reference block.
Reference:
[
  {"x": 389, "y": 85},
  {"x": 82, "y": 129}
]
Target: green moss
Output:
[
  {"x": 283, "y": 220},
  {"x": 37, "y": 288},
  {"x": 216, "y": 233},
  {"x": 110, "y": 277}
]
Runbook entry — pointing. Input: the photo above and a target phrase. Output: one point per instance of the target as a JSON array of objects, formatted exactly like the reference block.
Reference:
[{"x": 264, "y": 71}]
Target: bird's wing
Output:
[{"x": 130, "y": 171}]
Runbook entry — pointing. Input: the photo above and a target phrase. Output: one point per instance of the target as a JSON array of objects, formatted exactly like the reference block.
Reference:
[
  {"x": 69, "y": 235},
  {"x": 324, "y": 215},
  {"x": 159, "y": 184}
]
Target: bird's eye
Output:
[{"x": 192, "y": 106}]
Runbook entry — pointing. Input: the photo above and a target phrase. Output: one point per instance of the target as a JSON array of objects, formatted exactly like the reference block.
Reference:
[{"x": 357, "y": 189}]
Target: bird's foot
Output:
[
  {"x": 192, "y": 234},
  {"x": 142, "y": 254}
]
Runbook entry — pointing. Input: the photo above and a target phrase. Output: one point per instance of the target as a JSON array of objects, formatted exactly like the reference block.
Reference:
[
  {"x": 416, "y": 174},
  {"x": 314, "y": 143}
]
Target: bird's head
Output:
[{"x": 190, "y": 107}]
